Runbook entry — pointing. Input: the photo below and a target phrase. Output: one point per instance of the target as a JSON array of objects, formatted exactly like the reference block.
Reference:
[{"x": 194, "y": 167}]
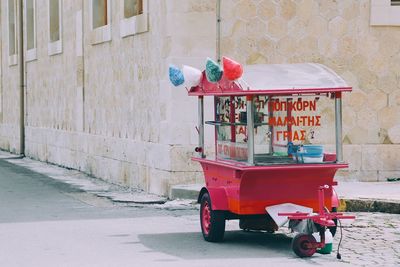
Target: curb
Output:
[{"x": 370, "y": 205}]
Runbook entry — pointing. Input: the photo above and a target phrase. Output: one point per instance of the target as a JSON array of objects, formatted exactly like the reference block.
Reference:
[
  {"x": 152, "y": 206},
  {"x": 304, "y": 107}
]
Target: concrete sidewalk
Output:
[{"x": 355, "y": 196}]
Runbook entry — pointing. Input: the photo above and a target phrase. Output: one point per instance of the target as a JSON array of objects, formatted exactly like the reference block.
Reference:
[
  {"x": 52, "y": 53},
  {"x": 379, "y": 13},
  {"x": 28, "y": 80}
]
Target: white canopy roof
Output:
[{"x": 290, "y": 76}]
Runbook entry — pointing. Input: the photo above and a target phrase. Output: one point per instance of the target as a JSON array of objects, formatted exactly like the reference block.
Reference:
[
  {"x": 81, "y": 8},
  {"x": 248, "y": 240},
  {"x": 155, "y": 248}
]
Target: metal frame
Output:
[
  {"x": 338, "y": 126},
  {"x": 201, "y": 127},
  {"x": 250, "y": 129}
]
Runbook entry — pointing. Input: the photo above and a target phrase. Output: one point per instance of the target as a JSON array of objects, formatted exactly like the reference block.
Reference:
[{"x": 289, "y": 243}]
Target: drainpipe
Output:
[
  {"x": 218, "y": 11},
  {"x": 21, "y": 80}
]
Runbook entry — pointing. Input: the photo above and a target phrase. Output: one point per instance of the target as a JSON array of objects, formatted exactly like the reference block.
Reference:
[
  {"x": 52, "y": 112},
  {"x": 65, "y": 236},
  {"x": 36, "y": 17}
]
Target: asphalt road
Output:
[{"x": 45, "y": 222}]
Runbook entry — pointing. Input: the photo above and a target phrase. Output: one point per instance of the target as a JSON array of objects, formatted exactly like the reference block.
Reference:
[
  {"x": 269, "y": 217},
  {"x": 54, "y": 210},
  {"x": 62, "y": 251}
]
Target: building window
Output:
[
  {"x": 395, "y": 2},
  {"x": 12, "y": 32},
  {"x": 55, "y": 27},
  {"x": 132, "y": 8},
  {"x": 385, "y": 13},
  {"x": 101, "y": 21},
  {"x": 135, "y": 17},
  {"x": 30, "y": 28}
]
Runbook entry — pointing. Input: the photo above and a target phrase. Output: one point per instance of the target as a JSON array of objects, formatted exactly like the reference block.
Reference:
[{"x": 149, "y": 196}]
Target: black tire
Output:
[
  {"x": 300, "y": 245},
  {"x": 212, "y": 221},
  {"x": 333, "y": 228}
]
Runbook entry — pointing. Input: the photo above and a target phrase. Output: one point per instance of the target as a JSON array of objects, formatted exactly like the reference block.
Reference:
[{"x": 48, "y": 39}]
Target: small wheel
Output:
[
  {"x": 301, "y": 245},
  {"x": 212, "y": 221}
]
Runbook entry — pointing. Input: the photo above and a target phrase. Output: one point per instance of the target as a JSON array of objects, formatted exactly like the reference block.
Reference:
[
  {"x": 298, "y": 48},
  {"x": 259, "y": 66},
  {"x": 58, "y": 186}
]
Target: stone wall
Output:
[
  {"x": 336, "y": 33},
  {"x": 108, "y": 108}
]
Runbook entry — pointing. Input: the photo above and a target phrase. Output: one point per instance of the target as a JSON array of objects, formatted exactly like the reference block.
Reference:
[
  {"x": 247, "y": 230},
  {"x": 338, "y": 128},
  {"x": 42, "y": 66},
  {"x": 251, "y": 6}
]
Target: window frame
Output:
[
  {"x": 383, "y": 13},
  {"x": 30, "y": 54},
  {"x": 135, "y": 24},
  {"x": 12, "y": 59},
  {"x": 103, "y": 33},
  {"x": 56, "y": 47}
]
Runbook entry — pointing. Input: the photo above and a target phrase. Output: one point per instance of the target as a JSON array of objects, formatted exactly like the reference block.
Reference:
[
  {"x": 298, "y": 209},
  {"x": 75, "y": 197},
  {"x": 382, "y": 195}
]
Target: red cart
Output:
[{"x": 278, "y": 145}]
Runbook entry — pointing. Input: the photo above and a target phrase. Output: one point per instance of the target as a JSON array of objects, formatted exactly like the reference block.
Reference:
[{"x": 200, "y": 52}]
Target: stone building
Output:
[{"x": 96, "y": 95}]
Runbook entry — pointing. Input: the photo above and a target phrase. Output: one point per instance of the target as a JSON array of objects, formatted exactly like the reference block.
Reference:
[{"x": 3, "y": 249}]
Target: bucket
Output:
[{"x": 327, "y": 249}]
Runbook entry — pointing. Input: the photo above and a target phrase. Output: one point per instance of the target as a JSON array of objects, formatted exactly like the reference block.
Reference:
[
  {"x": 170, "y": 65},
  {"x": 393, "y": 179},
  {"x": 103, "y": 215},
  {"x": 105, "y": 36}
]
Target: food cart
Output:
[{"x": 278, "y": 145}]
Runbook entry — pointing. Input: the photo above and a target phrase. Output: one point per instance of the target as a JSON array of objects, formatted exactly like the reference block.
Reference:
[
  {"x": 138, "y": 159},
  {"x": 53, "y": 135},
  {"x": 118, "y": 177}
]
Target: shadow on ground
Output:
[{"x": 236, "y": 244}]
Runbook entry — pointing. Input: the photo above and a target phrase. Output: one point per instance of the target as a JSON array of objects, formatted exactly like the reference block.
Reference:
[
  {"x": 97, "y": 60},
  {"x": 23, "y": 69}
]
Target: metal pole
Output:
[
  {"x": 201, "y": 127},
  {"x": 21, "y": 79},
  {"x": 338, "y": 125},
  {"x": 250, "y": 130},
  {"x": 218, "y": 11}
]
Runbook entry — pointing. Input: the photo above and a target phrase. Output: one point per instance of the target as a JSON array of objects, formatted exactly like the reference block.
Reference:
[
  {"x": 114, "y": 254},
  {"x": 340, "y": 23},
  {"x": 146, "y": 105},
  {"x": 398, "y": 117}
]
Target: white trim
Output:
[
  {"x": 30, "y": 54},
  {"x": 100, "y": 34},
  {"x": 384, "y": 14},
  {"x": 136, "y": 24},
  {"x": 12, "y": 59},
  {"x": 56, "y": 47}
]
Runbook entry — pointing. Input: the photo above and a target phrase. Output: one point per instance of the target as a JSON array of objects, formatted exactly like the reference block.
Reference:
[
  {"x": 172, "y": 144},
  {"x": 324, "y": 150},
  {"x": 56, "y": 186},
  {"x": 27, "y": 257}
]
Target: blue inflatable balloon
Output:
[{"x": 176, "y": 75}]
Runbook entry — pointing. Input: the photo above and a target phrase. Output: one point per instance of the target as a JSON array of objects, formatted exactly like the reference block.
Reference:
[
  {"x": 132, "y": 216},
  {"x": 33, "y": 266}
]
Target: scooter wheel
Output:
[{"x": 302, "y": 245}]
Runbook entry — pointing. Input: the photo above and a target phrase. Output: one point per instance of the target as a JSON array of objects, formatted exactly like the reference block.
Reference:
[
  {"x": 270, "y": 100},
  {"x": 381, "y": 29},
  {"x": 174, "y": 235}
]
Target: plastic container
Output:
[
  {"x": 327, "y": 249},
  {"x": 310, "y": 154}
]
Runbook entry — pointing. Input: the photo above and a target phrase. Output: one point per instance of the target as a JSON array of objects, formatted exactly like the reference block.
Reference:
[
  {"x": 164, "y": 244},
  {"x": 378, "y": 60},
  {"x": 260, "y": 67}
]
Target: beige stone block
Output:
[
  {"x": 368, "y": 80},
  {"x": 328, "y": 9},
  {"x": 357, "y": 135},
  {"x": 158, "y": 182},
  {"x": 352, "y": 155},
  {"x": 287, "y": 46},
  {"x": 308, "y": 44},
  {"x": 377, "y": 100},
  {"x": 337, "y": 27},
  {"x": 239, "y": 29},
  {"x": 256, "y": 58},
  {"x": 352, "y": 176},
  {"x": 245, "y": 10},
  {"x": 380, "y": 157},
  {"x": 394, "y": 98},
  {"x": 277, "y": 28},
  {"x": 388, "y": 83},
  {"x": 306, "y": 10},
  {"x": 327, "y": 46},
  {"x": 394, "y": 134},
  {"x": 318, "y": 26},
  {"x": 349, "y": 9},
  {"x": 266, "y": 46},
  {"x": 288, "y": 9},
  {"x": 256, "y": 28},
  {"x": 389, "y": 117},
  {"x": 356, "y": 99},
  {"x": 347, "y": 46},
  {"x": 181, "y": 159},
  {"x": 202, "y": 6},
  {"x": 266, "y": 9}
]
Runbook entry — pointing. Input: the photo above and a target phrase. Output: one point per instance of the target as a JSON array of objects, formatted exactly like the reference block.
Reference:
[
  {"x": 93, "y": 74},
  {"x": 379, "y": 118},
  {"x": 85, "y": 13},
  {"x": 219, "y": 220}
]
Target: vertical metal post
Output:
[
  {"x": 21, "y": 79},
  {"x": 218, "y": 43},
  {"x": 201, "y": 127},
  {"x": 250, "y": 129},
  {"x": 338, "y": 126},
  {"x": 270, "y": 127}
]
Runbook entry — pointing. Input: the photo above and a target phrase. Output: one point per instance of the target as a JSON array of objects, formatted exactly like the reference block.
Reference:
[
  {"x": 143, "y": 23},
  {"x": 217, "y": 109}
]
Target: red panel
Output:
[{"x": 245, "y": 189}]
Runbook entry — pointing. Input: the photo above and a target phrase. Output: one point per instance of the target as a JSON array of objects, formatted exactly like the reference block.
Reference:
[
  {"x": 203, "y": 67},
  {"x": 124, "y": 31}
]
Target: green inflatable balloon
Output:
[{"x": 213, "y": 71}]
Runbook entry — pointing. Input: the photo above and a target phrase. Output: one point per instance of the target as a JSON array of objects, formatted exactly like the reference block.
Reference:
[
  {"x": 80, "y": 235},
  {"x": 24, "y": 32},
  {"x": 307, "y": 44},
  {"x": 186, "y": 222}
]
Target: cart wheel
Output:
[
  {"x": 333, "y": 228},
  {"x": 212, "y": 221},
  {"x": 301, "y": 245}
]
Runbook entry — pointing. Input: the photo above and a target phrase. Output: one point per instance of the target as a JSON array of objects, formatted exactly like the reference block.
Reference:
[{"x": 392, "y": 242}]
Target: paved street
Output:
[{"x": 46, "y": 222}]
